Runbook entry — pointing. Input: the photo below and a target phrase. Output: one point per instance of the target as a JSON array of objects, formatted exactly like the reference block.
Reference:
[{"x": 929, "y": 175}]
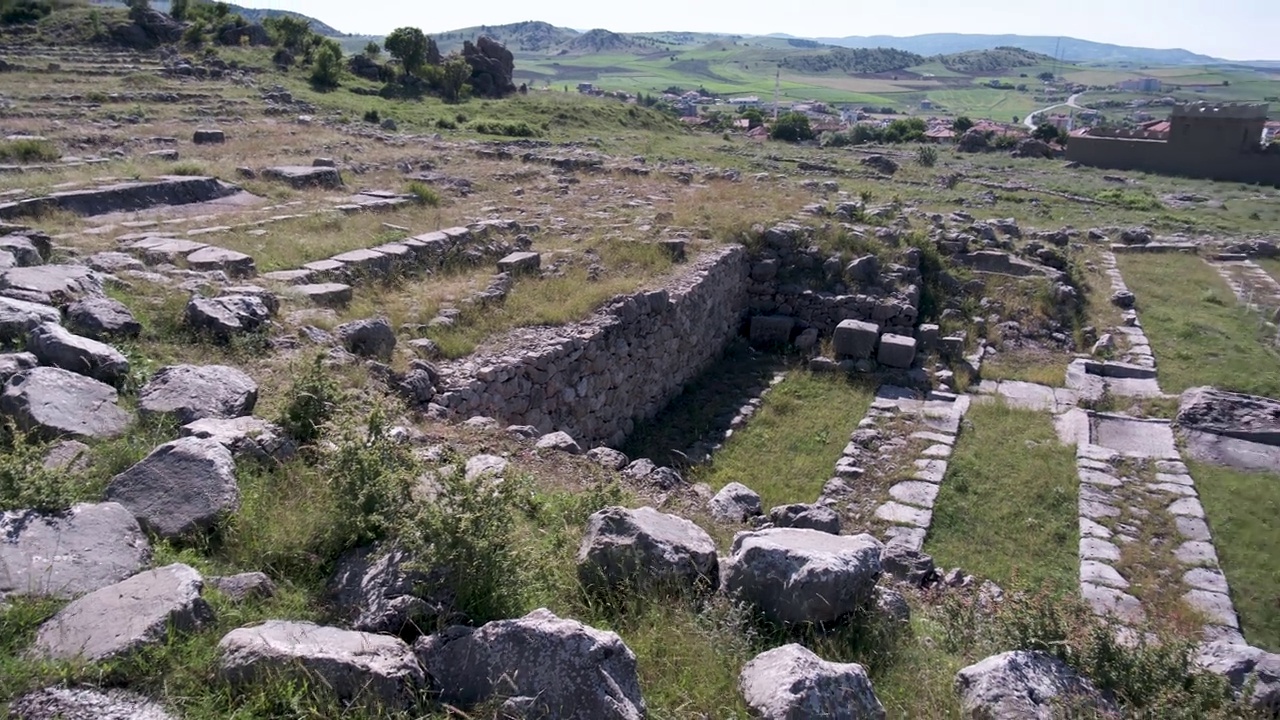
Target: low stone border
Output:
[{"x": 1254, "y": 288}]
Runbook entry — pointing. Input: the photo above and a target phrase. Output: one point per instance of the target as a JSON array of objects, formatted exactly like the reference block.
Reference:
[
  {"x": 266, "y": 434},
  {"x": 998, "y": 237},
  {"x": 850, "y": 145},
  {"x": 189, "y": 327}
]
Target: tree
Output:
[
  {"x": 290, "y": 32},
  {"x": 1046, "y": 76},
  {"x": 409, "y": 46},
  {"x": 792, "y": 127},
  {"x": 373, "y": 50},
  {"x": 327, "y": 70},
  {"x": 178, "y": 9},
  {"x": 961, "y": 124},
  {"x": 754, "y": 118},
  {"x": 1045, "y": 132},
  {"x": 137, "y": 8},
  {"x": 454, "y": 75}
]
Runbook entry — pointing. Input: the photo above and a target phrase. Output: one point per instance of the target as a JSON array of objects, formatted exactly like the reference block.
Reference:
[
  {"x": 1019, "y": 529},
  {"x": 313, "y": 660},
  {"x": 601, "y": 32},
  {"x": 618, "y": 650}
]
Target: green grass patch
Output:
[
  {"x": 1241, "y": 508},
  {"x": 1007, "y": 509},
  {"x": 28, "y": 150},
  {"x": 786, "y": 452},
  {"x": 1199, "y": 333}
]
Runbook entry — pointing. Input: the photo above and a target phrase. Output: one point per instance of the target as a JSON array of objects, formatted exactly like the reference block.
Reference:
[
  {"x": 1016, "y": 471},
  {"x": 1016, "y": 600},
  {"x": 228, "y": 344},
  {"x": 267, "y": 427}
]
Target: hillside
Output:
[
  {"x": 1071, "y": 49},
  {"x": 250, "y": 14}
]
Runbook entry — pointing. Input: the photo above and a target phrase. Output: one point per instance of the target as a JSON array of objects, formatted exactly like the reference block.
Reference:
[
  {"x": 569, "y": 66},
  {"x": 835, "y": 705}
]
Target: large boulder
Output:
[
  {"x": 54, "y": 345},
  {"x": 973, "y": 140},
  {"x": 51, "y": 284},
  {"x": 797, "y": 576},
  {"x": 54, "y": 403},
  {"x": 1244, "y": 417},
  {"x": 735, "y": 503},
  {"x": 67, "y": 554},
  {"x": 86, "y": 703},
  {"x": 102, "y": 318},
  {"x": 1246, "y": 668},
  {"x": 792, "y": 683},
  {"x": 188, "y": 393},
  {"x": 551, "y": 667},
  {"x": 181, "y": 487},
  {"x": 120, "y": 619},
  {"x": 1033, "y": 148},
  {"x": 371, "y": 337},
  {"x": 246, "y": 437},
  {"x": 224, "y": 317},
  {"x": 379, "y": 589},
  {"x": 1022, "y": 685},
  {"x": 19, "y": 317},
  {"x": 646, "y": 547},
  {"x": 492, "y": 66},
  {"x": 363, "y": 670}
]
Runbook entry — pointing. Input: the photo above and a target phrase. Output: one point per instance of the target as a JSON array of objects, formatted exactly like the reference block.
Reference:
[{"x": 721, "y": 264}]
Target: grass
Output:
[
  {"x": 1007, "y": 508},
  {"x": 1271, "y": 265},
  {"x": 1199, "y": 333},
  {"x": 28, "y": 150},
  {"x": 787, "y": 451},
  {"x": 1241, "y": 508}
]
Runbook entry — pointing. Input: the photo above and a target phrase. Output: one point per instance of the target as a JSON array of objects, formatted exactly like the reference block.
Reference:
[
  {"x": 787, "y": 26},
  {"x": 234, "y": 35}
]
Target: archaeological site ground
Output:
[{"x": 318, "y": 403}]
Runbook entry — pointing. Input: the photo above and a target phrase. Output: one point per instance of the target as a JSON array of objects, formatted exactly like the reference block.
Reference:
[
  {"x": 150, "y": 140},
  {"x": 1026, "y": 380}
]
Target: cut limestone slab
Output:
[
  {"x": 914, "y": 492},
  {"x": 362, "y": 669},
  {"x": 896, "y": 351},
  {"x": 120, "y": 619},
  {"x": 194, "y": 392},
  {"x": 900, "y": 514},
  {"x": 519, "y": 263},
  {"x": 323, "y": 294},
  {"x": 771, "y": 330},
  {"x": 1144, "y": 438},
  {"x": 234, "y": 264},
  {"x": 55, "y": 403},
  {"x": 181, "y": 487},
  {"x": 855, "y": 339},
  {"x": 304, "y": 176},
  {"x": 246, "y": 437},
  {"x": 1107, "y": 601},
  {"x": 65, "y": 555}
]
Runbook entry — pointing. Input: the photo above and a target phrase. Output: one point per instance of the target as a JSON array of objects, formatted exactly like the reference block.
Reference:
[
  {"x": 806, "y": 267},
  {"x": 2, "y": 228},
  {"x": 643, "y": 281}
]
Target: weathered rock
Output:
[
  {"x": 1020, "y": 685},
  {"x": 51, "y": 284},
  {"x": 897, "y": 351},
  {"x": 567, "y": 670},
  {"x": 892, "y": 606},
  {"x": 67, "y": 456},
  {"x": 117, "y": 620},
  {"x": 182, "y": 487},
  {"x": 1245, "y": 667},
  {"x": 363, "y": 670},
  {"x": 372, "y": 337},
  {"x": 55, "y": 403},
  {"x": 608, "y": 458},
  {"x": 771, "y": 330},
  {"x": 194, "y": 392},
  {"x": 792, "y": 683},
  {"x": 13, "y": 363},
  {"x": 799, "y": 576},
  {"x": 246, "y": 437},
  {"x": 864, "y": 270},
  {"x": 19, "y": 317},
  {"x": 229, "y": 315},
  {"x": 85, "y": 703},
  {"x": 1244, "y": 417},
  {"x": 881, "y": 163},
  {"x": 1123, "y": 299},
  {"x": 234, "y": 264},
  {"x": 645, "y": 547},
  {"x": 1033, "y": 148},
  {"x": 907, "y": 565},
  {"x": 806, "y": 516},
  {"x": 324, "y": 294},
  {"x": 24, "y": 251},
  {"x": 305, "y": 176},
  {"x": 492, "y": 67},
  {"x": 855, "y": 339},
  {"x": 243, "y": 586},
  {"x": 735, "y": 503},
  {"x": 560, "y": 441},
  {"x": 55, "y": 345},
  {"x": 102, "y": 318},
  {"x": 480, "y": 466},
  {"x": 67, "y": 554},
  {"x": 519, "y": 263},
  {"x": 377, "y": 589},
  {"x": 208, "y": 137}
]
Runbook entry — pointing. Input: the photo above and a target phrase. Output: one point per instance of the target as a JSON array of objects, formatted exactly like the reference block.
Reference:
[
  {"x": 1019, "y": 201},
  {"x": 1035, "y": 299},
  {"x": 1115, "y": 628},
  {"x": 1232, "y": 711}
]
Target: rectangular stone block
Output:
[
  {"x": 769, "y": 330},
  {"x": 855, "y": 339},
  {"x": 897, "y": 351},
  {"x": 518, "y": 263},
  {"x": 927, "y": 335}
]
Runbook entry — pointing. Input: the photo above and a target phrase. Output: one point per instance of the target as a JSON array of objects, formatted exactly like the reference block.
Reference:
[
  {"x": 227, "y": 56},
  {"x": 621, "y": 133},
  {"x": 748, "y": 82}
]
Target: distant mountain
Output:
[
  {"x": 532, "y": 36},
  {"x": 250, "y": 14},
  {"x": 1070, "y": 49}
]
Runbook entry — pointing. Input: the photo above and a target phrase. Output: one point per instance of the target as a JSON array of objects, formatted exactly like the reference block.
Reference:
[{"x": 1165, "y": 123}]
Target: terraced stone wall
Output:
[{"x": 596, "y": 379}]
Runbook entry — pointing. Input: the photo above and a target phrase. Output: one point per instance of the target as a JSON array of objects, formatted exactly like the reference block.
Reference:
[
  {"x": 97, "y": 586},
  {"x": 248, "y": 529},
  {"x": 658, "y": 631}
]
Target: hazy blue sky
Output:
[{"x": 1234, "y": 29}]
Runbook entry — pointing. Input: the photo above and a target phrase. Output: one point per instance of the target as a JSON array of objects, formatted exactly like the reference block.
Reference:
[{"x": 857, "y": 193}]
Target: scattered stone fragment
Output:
[
  {"x": 792, "y": 683},
  {"x": 892, "y": 606},
  {"x": 379, "y": 589},
  {"x": 363, "y": 670},
  {"x": 19, "y": 317},
  {"x": 371, "y": 337},
  {"x": 86, "y": 703},
  {"x": 234, "y": 264},
  {"x": 735, "y": 503},
  {"x": 1024, "y": 685},
  {"x": 330, "y": 294},
  {"x": 117, "y": 620},
  {"x": 181, "y": 487},
  {"x": 608, "y": 458},
  {"x": 806, "y": 516},
  {"x": 194, "y": 392},
  {"x": 623, "y": 548},
  {"x": 54, "y": 345},
  {"x": 481, "y": 466},
  {"x": 67, "y": 554},
  {"x": 560, "y": 441},
  {"x": 229, "y": 315},
  {"x": 802, "y": 576},
  {"x": 1245, "y": 667},
  {"x": 13, "y": 363},
  {"x": 55, "y": 403},
  {"x": 305, "y": 176},
  {"x": 246, "y": 437},
  {"x": 556, "y": 668},
  {"x": 102, "y": 318},
  {"x": 209, "y": 137},
  {"x": 907, "y": 565},
  {"x": 244, "y": 586}
]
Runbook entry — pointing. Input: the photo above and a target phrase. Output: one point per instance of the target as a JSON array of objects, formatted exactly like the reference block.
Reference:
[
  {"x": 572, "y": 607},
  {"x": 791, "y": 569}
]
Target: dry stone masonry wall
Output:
[{"x": 596, "y": 379}]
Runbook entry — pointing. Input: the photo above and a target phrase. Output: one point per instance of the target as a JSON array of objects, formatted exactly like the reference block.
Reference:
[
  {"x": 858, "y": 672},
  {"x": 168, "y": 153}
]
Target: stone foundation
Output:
[{"x": 596, "y": 379}]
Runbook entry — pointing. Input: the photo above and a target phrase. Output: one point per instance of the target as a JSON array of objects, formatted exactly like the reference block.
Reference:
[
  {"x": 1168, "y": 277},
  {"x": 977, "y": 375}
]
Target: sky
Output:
[{"x": 1231, "y": 29}]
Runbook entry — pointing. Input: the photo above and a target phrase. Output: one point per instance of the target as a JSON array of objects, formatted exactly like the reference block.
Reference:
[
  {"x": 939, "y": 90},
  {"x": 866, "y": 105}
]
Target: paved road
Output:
[{"x": 1071, "y": 102}]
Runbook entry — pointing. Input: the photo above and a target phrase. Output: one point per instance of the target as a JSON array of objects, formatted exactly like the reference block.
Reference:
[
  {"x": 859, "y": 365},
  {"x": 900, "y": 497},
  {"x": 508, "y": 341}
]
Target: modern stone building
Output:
[{"x": 1218, "y": 142}]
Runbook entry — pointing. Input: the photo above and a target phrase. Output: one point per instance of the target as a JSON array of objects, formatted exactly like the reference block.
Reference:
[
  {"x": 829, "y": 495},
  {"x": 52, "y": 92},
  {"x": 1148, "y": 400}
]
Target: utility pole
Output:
[{"x": 777, "y": 84}]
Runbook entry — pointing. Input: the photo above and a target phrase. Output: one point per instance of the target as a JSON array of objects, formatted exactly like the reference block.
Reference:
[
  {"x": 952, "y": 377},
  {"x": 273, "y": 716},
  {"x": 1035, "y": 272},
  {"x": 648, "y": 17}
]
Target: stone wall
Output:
[
  {"x": 1171, "y": 159},
  {"x": 596, "y": 379}
]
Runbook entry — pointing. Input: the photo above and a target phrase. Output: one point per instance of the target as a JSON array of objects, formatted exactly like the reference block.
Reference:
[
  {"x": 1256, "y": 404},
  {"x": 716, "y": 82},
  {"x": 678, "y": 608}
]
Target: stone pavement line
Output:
[
  {"x": 1133, "y": 373},
  {"x": 1253, "y": 287}
]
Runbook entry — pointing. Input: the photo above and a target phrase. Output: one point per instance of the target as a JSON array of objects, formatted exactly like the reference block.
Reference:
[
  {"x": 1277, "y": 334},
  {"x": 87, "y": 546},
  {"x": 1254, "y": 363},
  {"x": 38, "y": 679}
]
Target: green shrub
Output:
[
  {"x": 423, "y": 194},
  {"x": 186, "y": 168},
  {"x": 326, "y": 73},
  {"x": 510, "y": 129},
  {"x": 313, "y": 399},
  {"x": 26, "y": 483},
  {"x": 792, "y": 127},
  {"x": 372, "y": 477},
  {"x": 372, "y": 116},
  {"x": 18, "y": 12},
  {"x": 28, "y": 150},
  {"x": 927, "y": 156},
  {"x": 446, "y": 124}
]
